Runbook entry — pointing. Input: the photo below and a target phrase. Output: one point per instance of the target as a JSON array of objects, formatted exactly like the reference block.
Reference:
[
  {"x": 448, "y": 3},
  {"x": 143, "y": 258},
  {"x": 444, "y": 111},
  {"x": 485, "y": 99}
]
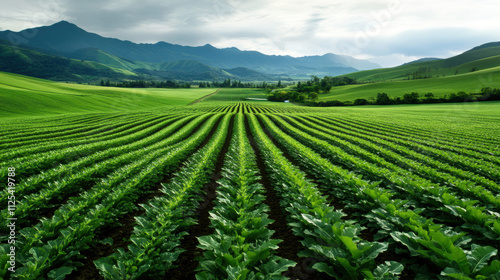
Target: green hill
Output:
[
  {"x": 93, "y": 54},
  {"x": 64, "y": 37},
  {"x": 36, "y": 64},
  {"x": 470, "y": 82},
  {"x": 469, "y": 72},
  {"x": 479, "y": 58},
  {"x": 93, "y": 65},
  {"x": 23, "y": 95}
]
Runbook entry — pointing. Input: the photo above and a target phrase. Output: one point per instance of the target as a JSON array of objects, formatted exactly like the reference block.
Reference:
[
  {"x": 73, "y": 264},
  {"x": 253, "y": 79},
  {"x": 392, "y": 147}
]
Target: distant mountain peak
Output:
[
  {"x": 65, "y": 25},
  {"x": 209, "y": 46},
  {"x": 63, "y": 22}
]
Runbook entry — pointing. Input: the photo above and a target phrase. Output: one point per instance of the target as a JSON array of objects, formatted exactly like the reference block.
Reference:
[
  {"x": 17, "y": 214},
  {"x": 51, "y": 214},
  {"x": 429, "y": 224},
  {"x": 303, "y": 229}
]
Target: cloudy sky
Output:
[{"x": 388, "y": 32}]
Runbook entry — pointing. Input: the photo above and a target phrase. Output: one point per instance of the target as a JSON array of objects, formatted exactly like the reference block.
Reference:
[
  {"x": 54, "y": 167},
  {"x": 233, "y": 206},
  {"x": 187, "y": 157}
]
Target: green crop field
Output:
[{"x": 110, "y": 183}]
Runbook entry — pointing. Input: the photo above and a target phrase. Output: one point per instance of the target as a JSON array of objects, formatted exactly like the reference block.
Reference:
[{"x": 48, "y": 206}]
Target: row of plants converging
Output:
[{"x": 365, "y": 198}]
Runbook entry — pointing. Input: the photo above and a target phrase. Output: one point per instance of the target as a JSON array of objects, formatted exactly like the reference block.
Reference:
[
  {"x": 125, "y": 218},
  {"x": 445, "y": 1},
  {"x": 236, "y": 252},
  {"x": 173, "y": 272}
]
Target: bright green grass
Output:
[
  {"x": 479, "y": 59},
  {"x": 237, "y": 94},
  {"x": 21, "y": 96},
  {"x": 470, "y": 82}
]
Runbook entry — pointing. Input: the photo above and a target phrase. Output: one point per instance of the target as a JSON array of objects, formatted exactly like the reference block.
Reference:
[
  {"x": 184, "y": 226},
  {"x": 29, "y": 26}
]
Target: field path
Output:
[{"x": 206, "y": 96}]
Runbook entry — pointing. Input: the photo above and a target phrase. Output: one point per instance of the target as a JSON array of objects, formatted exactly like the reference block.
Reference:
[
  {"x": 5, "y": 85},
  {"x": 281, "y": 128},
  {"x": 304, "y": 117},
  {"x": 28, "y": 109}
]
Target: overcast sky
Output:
[{"x": 388, "y": 32}]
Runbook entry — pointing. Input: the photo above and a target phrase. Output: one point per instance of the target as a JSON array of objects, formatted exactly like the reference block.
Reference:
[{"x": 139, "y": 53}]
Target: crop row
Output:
[
  {"x": 156, "y": 238},
  {"x": 56, "y": 242},
  {"x": 339, "y": 180},
  {"x": 434, "y": 241},
  {"x": 334, "y": 241}
]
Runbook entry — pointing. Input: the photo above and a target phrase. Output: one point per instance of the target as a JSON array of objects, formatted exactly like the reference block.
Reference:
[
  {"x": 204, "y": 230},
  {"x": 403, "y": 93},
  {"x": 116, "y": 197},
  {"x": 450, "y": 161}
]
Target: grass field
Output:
[
  {"x": 469, "y": 82},
  {"x": 111, "y": 183},
  {"x": 22, "y": 96}
]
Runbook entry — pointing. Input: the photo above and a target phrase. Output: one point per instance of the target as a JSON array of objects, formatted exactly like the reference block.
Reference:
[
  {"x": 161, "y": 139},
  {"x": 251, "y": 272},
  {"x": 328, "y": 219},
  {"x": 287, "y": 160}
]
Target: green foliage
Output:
[
  {"x": 383, "y": 99},
  {"x": 242, "y": 247},
  {"x": 360, "y": 101},
  {"x": 429, "y": 189},
  {"x": 282, "y": 95},
  {"x": 32, "y": 63}
]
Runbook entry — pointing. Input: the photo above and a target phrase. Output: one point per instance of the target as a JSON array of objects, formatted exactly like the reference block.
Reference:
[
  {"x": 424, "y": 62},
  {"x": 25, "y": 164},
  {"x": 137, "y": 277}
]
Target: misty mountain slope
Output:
[
  {"x": 97, "y": 55},
  {"x": 36, "y": 64},
  {"x": 65, "y": 37}
]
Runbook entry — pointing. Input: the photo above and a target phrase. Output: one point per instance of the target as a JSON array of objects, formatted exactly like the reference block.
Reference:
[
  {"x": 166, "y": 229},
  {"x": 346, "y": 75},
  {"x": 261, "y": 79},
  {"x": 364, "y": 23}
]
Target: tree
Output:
[
  {"x": 411, "y": 98},
  {"x": 313, "y": 96},
  {"x": 383, "y": 99},
  {"x": 429, "y": 97},
  {"x": 360, "y": 101}
]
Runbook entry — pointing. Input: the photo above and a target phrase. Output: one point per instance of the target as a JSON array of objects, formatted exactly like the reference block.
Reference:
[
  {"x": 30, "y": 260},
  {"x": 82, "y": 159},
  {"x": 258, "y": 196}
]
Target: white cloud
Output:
[{"x": 386, "y": 30}]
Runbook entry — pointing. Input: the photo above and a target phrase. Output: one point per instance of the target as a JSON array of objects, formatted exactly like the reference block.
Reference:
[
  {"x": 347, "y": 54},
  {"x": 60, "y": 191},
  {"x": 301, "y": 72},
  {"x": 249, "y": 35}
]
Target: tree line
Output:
[
  {"x": 309, "y": 90},
  {"x": 486, "y": 94},
  {"x": 145, "y": 84},
  {"x": 228, "y": 83}
]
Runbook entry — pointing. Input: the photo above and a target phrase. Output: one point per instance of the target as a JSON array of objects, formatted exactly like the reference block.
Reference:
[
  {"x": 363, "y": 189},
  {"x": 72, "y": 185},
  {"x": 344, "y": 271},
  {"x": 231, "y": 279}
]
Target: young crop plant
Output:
[
  {"x": 157, "y": 236},
  {"x": 49, "y": 253},
  {"x": 344, "y": 255},
  {"x": 32, "y": 163},
  {"x": 391, "y": 214},
  {"x": 360, "y": 187},
  {"x": 242, "y": 247},
  {"x": 104, "y": 161},
  {"x": 441, "y": 197}
]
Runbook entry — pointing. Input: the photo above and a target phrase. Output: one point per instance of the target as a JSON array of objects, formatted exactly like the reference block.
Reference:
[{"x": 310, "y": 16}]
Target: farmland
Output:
[
  {"x": 441, "y": 86},
  {"x": 138, "y": 184}
]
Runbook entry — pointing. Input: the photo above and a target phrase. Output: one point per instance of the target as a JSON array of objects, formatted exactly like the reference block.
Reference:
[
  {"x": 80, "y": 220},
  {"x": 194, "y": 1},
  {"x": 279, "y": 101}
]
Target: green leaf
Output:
[
  {"x": 480, "y": 256},
  {"x": 60, "y": 273},
  {"x": 495, "y": 276},
  {"x": 491, "y": 269},
  {"x": 207, "y": 242},
  {"x": 455, "y": 274},
  {"x": 323, "y": 267},
  {"x": 272, "y": 268},
  {"x": 230, "y": 260},
  {"x": 348, "y": 267},
  {"x": 388, "y": 270},
  {"x": 351, "y": 246},
  {"x": 375, "y": 248}
]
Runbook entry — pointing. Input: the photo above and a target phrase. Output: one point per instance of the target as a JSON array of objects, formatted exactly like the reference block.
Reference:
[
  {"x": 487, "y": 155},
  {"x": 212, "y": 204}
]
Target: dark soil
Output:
[
  {"x": 290, "y": 246},
  {"x": 186, "y": 264},
  {"x": 121, "y": 234}
]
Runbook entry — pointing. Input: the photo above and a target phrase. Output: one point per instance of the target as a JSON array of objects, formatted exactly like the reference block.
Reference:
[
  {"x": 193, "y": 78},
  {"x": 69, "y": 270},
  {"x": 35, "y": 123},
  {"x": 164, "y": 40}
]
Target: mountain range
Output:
[
  {"x": 65, "y": 52},
  {"x": 67, "y": 40}
]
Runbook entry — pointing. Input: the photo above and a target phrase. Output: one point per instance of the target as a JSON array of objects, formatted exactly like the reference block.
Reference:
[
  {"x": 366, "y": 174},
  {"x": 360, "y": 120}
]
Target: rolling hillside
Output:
[
  {"x": 92, "y": 65},
  {"x": 23, "y": 95},
  {"x": 470, "y": 82},
  {"x": 469, "y": 72},
  {"x": 36, "y": 64},
  {"x": 479, "y": 58},
  {"x": 93, "y": 54}
]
